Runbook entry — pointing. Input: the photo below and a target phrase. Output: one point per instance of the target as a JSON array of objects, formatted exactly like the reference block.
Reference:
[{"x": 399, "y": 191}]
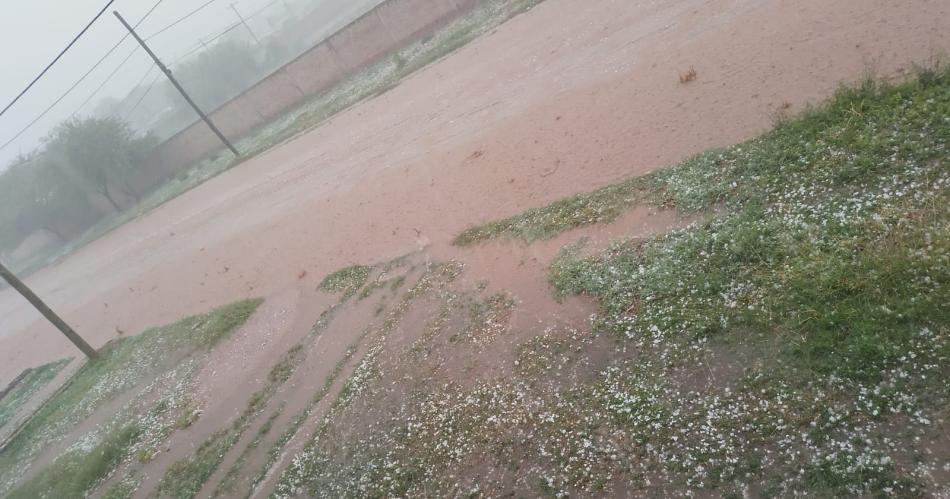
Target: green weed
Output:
[
  {"x": 36, "y": 379},
  {"x": 123, "y": 365},
  {"x": 346, "y": 280},
  {"x": 74, "y": 474}
]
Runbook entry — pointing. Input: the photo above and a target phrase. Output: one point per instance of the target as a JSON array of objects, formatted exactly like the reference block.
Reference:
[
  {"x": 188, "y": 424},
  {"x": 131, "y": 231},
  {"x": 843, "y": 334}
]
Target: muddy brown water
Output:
[{"x": 565, "y": 98}]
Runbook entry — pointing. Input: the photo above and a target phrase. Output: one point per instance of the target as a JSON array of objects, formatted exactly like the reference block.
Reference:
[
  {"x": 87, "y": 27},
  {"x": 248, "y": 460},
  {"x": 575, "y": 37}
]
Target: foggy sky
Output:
[{"x": 32, "y": 32}]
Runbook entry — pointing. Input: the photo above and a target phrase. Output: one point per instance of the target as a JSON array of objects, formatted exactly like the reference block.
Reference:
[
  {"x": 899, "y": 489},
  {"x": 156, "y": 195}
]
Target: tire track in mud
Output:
[{"x": 340, "y": 385}]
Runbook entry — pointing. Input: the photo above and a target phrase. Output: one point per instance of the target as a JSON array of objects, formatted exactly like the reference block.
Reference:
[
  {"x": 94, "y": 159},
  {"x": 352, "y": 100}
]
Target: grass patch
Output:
[
  {"x": 228, "y": 485},
  {"x": 600, "y": 206},
  {"x": 186, "y": 477},
  {"x": 123, "y": 489},
  {"x": 346, "y": 280},
  {"x": 305, "y": 471},
  {"x": 834, "y": 238},
  {"x": 548, "y": 353},
  {"x": 273, "y": 454},
  {"x": 36, "y": 379},
  {"x": 794, "y": 344},
  {"x": 188, "y": 417},
  {"x": 393, "y": 284},
  {"x": 123, "y": 365},
  {"x": 487, "y": 320},
  {"x": 832, "y": 254},
  {"x": 76, "y": 473}
]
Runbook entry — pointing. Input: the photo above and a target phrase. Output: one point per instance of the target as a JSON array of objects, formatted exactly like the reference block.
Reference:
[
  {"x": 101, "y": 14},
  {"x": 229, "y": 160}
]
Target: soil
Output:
[{"x": 565, "y": 98}]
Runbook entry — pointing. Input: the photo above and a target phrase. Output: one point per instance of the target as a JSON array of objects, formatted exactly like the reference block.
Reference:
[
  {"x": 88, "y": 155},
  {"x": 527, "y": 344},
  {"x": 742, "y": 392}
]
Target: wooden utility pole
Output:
[
  {"x": 60, "y": 324},
  {"x": 260, "y": 44},
  {"x": 178, "y": 86},
  {"x": 246, "y": 26}
]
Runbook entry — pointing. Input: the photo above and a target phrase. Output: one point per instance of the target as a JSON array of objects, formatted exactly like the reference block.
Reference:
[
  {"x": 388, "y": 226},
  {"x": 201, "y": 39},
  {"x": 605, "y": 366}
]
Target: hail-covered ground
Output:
[{"x": 795, "y": 342}]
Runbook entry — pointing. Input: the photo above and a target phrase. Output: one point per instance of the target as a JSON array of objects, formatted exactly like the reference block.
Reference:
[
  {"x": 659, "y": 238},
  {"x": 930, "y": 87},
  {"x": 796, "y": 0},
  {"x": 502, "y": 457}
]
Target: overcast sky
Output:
[{"x": 32, "y": 32}]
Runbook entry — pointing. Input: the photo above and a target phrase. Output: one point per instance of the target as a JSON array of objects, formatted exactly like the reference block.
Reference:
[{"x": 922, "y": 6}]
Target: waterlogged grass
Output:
[
  {"x": 392, "y": 284},
  {"x": 600, "y": 206},
  {"x": 306, "y": 472},
  {"x": 228, "y": 487},
  {"x": 833, "y": 255},
  {"x": 124, "y": 365},
  {"x": 347, "y": 280},
  {"x": 836, "y": 237},
  {"x": 488, "y": 319},
  {"x": 123, "y": 489},
  {"x": 75, "y": 473},
  {"x": 36, "y": 379},
  {"x": 273, "y": 454},
  {"x": 186, "y": 477},
  {"x": 796, "y": 343},
  {"x": 794, "y": 147},
  {"x": 353, "y": 279},
  {"x": 126, "y": 362}
]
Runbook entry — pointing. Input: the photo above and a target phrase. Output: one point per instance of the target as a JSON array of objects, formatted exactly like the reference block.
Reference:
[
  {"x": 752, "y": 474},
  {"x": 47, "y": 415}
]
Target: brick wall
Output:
[{"x": 388, "y": 27}]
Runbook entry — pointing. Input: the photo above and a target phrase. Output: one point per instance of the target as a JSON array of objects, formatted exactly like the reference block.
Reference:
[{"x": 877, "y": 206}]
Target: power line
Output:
[
  {"x": 81, "y": 79},
  {"x": 177, "y": 85},
  {"x": 57, "y": 58},
  {"x": 202, "y": 45},
  {"x": 142, "y": 98},
  {"x": 155, "y": 79},
  {"x": 148, "y": 89},
  {"x": 116, "y": 46},
  {"x": 121, "y": 64},
  {"x": 47, "y": 110},
  {"x": 222, "y": 33},
  {"x": 112, "y": 74},
  {"x": 262, "y": 9},
  {"x": 180, "y": 19},
  {"x": 66, "y": 93},
  {"x": 135, "y": 87},
  {"x": 198, "y": 46}
]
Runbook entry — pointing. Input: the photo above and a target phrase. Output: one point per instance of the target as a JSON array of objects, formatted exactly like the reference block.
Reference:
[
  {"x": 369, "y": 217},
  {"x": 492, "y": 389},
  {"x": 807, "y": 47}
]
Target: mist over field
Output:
[{"x": 51, "y": 193}]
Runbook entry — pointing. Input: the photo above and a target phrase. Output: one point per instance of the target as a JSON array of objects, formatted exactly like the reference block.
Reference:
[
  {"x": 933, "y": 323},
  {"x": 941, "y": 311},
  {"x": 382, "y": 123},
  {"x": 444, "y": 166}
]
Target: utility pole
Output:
[
  {"x": 282, "y": 70},
  {"x": 248, "y": 28},
  {"x": 51, "y": 316},
  {"x": 177, "y": 85}
]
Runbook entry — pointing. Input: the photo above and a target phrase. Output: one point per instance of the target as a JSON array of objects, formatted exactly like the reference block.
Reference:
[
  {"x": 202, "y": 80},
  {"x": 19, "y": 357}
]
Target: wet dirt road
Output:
[{"x": 567, "y": 97}]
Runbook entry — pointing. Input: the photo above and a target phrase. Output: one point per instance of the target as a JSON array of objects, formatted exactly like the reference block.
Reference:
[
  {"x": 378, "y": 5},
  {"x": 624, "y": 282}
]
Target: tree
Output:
[
  {"x": 15, "y": 204},
  {"x": 61, "y": 205},
  {"x": 37, "y": 195},
  {"x": 104, "y": 151},
  {"x": 54, "y": 189}
]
